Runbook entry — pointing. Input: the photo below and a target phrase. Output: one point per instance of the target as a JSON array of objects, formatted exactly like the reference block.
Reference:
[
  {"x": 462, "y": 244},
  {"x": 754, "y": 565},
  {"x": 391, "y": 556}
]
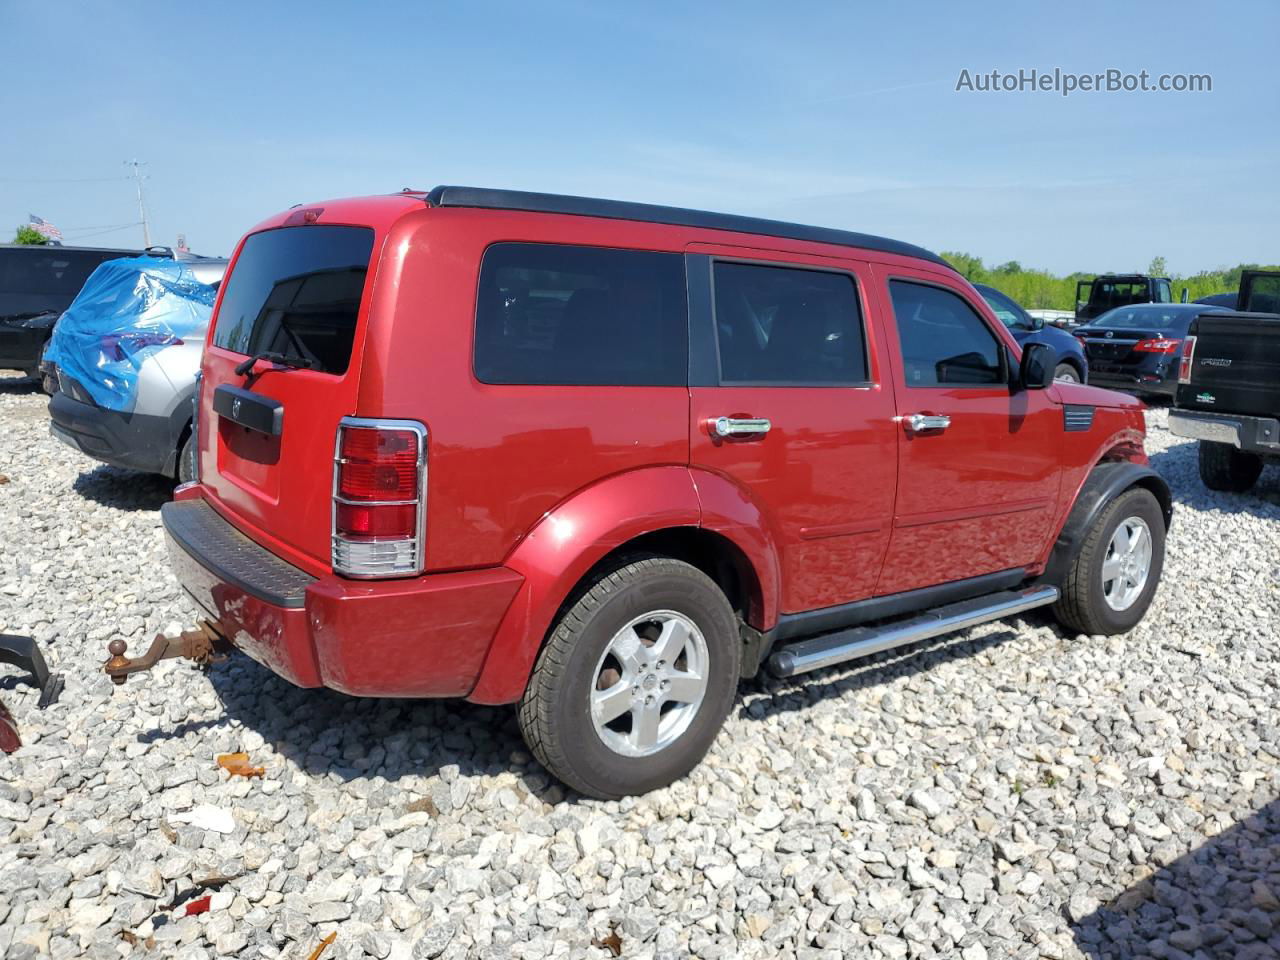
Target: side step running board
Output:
[{"x": 833, "y": 648}]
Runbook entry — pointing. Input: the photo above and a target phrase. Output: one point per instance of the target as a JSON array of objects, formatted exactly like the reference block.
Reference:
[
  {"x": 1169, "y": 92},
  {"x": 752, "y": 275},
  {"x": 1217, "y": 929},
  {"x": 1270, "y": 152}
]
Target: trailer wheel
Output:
[{"x": 1223, "y": 467}]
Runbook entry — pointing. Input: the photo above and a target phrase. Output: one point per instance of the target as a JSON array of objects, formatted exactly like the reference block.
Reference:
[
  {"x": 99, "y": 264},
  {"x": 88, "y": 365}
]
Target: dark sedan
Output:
[
  {"x": 1137, "y": 347},
  {"x": 1070, "y": 363}
]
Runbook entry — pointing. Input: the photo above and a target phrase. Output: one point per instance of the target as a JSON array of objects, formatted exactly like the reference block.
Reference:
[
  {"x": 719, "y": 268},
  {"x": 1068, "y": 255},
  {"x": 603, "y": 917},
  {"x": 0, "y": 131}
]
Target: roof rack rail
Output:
[{"x": 490, "y": 199}]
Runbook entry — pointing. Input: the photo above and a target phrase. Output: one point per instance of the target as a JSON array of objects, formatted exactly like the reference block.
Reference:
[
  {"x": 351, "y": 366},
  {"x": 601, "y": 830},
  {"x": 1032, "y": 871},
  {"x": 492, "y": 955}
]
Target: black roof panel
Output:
[{"x": 448, "y": 196}]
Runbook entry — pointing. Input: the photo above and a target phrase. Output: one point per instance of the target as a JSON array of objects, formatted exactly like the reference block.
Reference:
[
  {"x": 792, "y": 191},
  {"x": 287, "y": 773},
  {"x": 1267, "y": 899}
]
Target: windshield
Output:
[
  {"x": 296, "y": 291},
  {"x": 1008, "y": 312},
  {"x": 1147, "y": 318}
]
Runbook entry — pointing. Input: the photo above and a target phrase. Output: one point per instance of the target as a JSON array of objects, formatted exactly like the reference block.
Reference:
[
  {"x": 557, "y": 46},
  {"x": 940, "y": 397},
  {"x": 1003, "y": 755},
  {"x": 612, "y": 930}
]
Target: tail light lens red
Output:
[
  {"x": 379, "y": 498},
  {"x": 1188, "y": 356},
  {"x": 1157, "y": 346}
]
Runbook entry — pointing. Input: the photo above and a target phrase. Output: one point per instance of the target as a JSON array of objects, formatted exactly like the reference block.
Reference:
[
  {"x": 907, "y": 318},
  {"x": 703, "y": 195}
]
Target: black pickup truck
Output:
[{"x": 1228, "y": 394}]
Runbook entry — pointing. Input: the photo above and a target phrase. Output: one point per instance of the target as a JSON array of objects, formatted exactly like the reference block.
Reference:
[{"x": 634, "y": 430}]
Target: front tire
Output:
[
  {"x": 635, "y": 681},
  {"x": 1223, "y": 467},
  {"x": 1114, "y": 577},
  {"x": 1065, "y": 371}
]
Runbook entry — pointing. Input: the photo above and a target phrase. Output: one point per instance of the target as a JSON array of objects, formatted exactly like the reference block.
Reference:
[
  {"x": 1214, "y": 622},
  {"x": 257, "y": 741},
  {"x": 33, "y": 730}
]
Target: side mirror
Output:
[{"x": 1035, "y": 372}]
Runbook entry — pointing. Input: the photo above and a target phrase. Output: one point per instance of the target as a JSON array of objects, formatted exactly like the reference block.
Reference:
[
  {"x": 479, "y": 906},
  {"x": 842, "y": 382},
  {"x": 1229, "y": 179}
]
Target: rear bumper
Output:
[
  {"x": 421, "y": 637},
  {"x": 131, "y": 440},
  {"x": 1146, "y": 381},
  {"x": 1255, "y": 434}
]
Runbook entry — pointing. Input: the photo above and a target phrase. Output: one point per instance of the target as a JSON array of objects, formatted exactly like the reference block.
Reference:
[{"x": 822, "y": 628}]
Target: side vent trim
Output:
[{"x": 1077, "y": 417}]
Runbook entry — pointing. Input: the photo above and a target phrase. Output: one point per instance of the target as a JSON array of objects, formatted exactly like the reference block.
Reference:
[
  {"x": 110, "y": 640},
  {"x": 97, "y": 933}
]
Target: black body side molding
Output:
[{"x": 1106, "y": 482}]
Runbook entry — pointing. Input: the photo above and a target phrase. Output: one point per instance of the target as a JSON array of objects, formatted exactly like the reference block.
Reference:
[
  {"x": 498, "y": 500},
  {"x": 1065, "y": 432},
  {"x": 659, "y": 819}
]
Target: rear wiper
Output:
[{"x": 281, "y": 359}]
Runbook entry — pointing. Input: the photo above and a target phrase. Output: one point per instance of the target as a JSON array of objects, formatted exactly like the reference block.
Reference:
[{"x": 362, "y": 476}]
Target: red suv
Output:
[{"x": 603, "y": 459}]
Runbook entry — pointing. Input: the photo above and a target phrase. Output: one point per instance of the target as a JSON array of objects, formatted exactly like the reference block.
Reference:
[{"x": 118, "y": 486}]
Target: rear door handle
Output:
[
  {"x": 924, "y": 422},
  {"x": 739, "y": 427}
]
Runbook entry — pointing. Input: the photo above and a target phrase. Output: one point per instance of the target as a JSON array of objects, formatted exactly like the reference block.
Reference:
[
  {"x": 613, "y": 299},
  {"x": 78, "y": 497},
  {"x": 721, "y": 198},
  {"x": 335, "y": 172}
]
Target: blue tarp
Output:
[{"x": 126, "y": 310}]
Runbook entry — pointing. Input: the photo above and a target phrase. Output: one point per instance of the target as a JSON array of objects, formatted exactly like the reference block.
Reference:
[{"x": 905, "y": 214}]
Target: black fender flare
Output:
[{"x": 1105, "y": 482}]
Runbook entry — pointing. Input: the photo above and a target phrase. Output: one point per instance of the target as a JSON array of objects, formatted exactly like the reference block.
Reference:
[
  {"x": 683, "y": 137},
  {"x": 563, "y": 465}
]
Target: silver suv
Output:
[{"x": 150, "y": 428}]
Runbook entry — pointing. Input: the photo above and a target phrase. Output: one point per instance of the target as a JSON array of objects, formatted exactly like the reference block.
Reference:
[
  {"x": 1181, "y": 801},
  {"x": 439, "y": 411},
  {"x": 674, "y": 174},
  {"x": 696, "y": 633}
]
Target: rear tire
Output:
[
  {"x": 1065, "y": 371},
  {"x": 1223, "y": 467},
  {"x": 602, "y": 710},
  {"x": 1097, "y": 595},
  {"x": 187, "y": 459}
]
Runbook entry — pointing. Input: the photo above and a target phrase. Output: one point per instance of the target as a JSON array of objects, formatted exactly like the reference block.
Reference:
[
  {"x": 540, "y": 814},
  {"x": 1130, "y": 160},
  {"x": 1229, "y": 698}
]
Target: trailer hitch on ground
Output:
[{"x": 205, "y": 645}]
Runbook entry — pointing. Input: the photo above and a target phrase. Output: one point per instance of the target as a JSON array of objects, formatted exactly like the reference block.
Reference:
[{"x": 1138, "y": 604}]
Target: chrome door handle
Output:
[
  {"x": 921, "y": 422},
  {"x": 735, "y": 427}
]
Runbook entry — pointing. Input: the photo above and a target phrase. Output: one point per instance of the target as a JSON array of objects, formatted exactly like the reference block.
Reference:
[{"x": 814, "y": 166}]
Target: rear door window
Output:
[
  {"x": 296, "y": 291},
  {"x": 581, "y": 316},
  {"x": 944, "y": 341},
  {"x": 783, "y": 325}
]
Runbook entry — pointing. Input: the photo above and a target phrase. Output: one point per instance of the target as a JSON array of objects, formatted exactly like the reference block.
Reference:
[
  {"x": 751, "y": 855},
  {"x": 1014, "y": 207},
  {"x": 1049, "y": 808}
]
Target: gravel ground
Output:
[{"x": 1014, "y": 793}]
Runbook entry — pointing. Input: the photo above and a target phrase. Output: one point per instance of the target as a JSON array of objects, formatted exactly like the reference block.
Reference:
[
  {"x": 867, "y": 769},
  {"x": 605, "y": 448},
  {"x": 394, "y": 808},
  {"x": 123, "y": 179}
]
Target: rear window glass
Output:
[
  {"x": 1147, "y": 318},
  {"x": 581, "y": 316},
  {"x": 1112, "y": 293},
  {"x": 296, "y": 291}
]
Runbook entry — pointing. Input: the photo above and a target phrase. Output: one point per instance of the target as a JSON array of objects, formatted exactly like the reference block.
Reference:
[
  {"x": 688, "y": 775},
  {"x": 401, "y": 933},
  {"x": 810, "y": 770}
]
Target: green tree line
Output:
[{"x": 1040, "y": 289}]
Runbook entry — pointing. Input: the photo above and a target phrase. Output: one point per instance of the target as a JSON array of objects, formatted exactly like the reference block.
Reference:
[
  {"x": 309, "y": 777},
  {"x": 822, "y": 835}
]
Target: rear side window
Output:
[
  {"x": 57, "y": 274},
  {"x": 944, "y": 341},
  {"x": 296, "y": 291},
  {"x": 581, "y": 316},
  {"x": 780, "y": 325}
]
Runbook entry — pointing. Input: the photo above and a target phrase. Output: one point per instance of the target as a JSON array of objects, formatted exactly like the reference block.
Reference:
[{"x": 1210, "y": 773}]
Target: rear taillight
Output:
[
  {"x": 379, "y": 497},
  {"x": 1157, "y": 346},
  {"x": 1188, "y": 355}
]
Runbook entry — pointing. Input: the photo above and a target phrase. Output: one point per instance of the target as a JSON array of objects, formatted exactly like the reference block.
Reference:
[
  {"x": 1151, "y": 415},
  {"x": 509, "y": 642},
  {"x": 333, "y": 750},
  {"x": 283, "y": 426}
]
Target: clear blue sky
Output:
[{"x": 842, "y": 114}]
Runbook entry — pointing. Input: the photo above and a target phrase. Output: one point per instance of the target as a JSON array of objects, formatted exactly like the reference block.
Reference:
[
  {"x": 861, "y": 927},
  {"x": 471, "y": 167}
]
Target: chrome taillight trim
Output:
[
  {"x": 418, "y": 540},
  {"x": 1187, "y": 360}
]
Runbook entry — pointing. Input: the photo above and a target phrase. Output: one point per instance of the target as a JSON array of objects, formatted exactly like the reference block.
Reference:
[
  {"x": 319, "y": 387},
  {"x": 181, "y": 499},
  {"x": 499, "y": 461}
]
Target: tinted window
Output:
[
  {"x": 296, "y": 291},
  {"x": 578, "y": 316},
  {"x": 1264, "y": 294},
  {"x": 1166, "y": 317},
  {"x": 1006, "y": 311},
  {"x": 784, "y": 325},
  {"x": 1112, "y": 293},
  {"x": 38, "y": 279},
  {"x": 944, "y": 342},
  {"x": 1163, "y": 292}
]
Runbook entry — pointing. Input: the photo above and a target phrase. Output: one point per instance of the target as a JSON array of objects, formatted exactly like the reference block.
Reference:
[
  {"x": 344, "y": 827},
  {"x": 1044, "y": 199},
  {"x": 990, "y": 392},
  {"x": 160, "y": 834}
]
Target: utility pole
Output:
[{"x": 142, "y": 209}]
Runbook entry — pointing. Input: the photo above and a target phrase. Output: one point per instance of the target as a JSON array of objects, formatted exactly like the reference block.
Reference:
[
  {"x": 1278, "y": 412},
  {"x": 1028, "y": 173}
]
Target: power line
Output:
[
  {"x": 127, "y": 226},
  {"x": 63, "y": 180}
]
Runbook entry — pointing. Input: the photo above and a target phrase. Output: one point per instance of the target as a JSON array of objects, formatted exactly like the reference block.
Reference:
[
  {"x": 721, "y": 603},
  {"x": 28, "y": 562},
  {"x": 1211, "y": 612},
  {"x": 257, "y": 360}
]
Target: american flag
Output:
[{"x": 40, "y": 225}]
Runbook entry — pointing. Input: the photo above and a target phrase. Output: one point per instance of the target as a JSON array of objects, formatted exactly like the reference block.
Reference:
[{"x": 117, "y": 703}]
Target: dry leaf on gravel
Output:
[{"x": 238, "y": 765}]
